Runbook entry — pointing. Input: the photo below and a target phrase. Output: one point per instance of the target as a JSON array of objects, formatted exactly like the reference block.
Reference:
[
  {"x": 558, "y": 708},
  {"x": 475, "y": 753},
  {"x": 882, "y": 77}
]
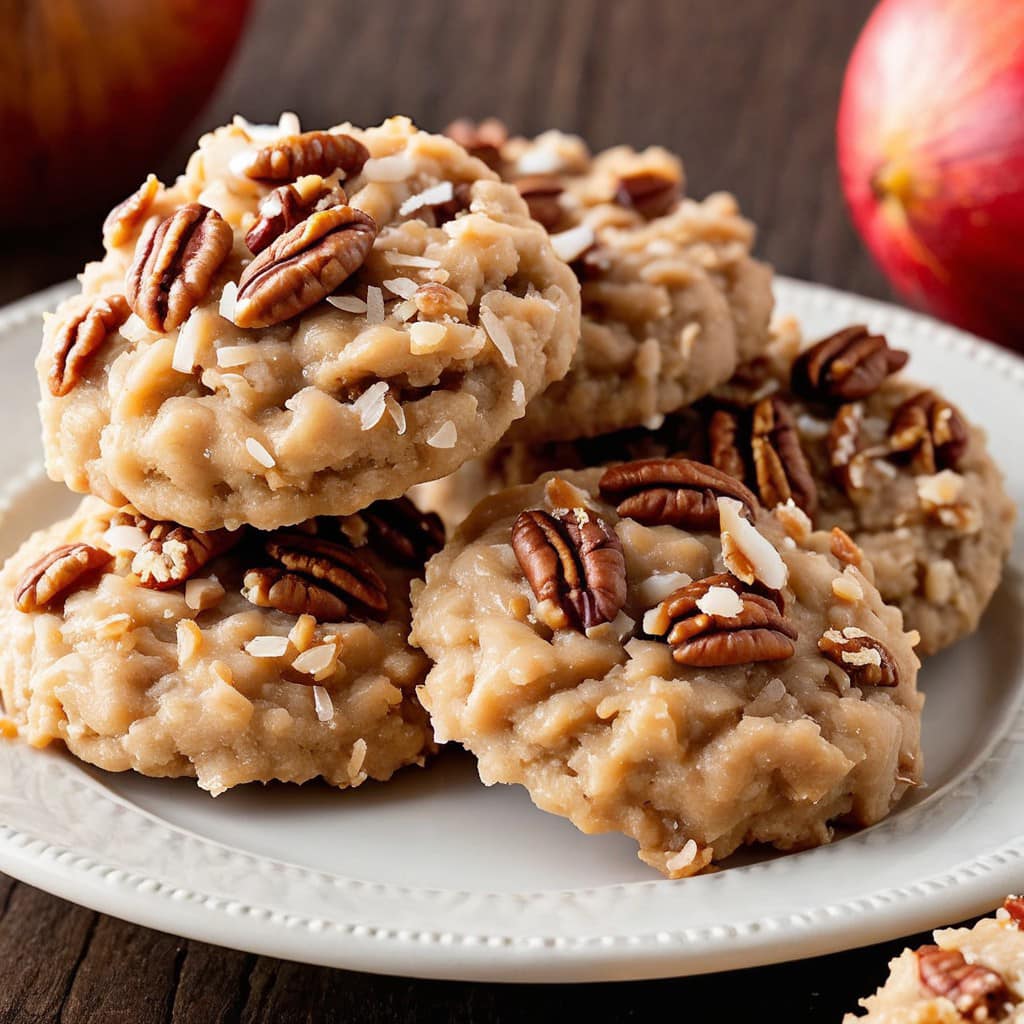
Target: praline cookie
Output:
[
  {"x": 672, "y": 299},
  {"x": 304, "y": 323},
  {"x": 228, "y": 657},
  {"x": 648, "y": 651},
  {"x": 968, "y": 974}
]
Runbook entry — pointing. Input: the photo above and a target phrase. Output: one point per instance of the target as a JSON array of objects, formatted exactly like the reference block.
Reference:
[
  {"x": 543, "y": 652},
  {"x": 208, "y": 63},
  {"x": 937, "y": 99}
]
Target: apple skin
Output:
[
  {"x": 94, "y": 92},
  {"x": 930, "y": 140}
]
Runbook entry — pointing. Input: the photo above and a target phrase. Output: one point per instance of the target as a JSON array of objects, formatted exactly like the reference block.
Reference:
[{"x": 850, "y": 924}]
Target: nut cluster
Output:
[
  {"x": 846, "y": 366},
  {"x": 978, "y": 993}
]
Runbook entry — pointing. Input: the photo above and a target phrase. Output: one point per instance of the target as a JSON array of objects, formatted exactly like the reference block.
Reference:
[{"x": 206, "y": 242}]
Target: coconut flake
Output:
[
  {"x": 323, "y": 704},
  {"x": 539, "y": 160},
  {"x": 445, "y": 436},
  {"x": 228, "y": 299},
  {"x": 370, "y": 405},
  {"x": 355, "y": 762},
  {"x": 397, "y": 414},
  {"x": 655, "y": 422},
  {"x": 347, "y": 303},
  {"x": 721, "y": 601},
  {"x": 684, "y": 858},
  {"x": 374, "y": 305},
  {"x": 518, "y": 394},
  {"x": 748, "y": 554},
  {"x": 426, "y": 336},
  {"x": 288, "y": 123},
  {"x": 404, "y": 311},
  {"x": 186, "y": 347},
  {"x": 124, "y": 538},
  {"x": 498, "y": 334},
  {"x": 404, "y": 259},
  {"x": 237, "y": 355},
  {"x": 315, "y": 660},
  {"x": 403, "y": 287},
  {"x": 570, "y": 245},
  {"x": 656, "y": 588},
  {"x": 433, "y": 196},
  {"x": 388, "y": 169},
  {"x": 267, "y": 646},
  {"x": 259, "y": 453}
]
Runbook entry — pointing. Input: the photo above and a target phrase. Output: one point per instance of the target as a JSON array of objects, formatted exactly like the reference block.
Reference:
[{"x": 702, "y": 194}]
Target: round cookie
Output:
[
  {"x": 968, "y": 974},
  {"x": 230, "y": 658},
  {"x": 302, "y": 324},
  {"x": 932, "y": 517},
  {"x": 672, "y": 299},
  {"x": 642, "y": 657}
]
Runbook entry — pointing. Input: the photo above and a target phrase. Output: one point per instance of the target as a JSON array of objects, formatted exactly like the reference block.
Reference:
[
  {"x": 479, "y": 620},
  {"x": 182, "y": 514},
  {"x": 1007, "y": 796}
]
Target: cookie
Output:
[
  {"x": 968, "y": 974},
  {"x": 672, "y": 299},
  {"x": 304, "y": 323},
  {"x": 649, "y": 651},
  {"x": 893, "y": 464},
  {"x": 227, "y": 657}
]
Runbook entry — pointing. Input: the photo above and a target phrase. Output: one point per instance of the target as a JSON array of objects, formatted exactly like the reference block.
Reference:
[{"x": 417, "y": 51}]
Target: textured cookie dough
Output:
[
  {"x": 607, "y": 728},
  {"x": 937, "y": 537},
  {"x": 672, "y": 299},
  {"x": 970, "y": 974},
  {"x": 365, "y": 383},
  {"x": 197, "y": 681}
]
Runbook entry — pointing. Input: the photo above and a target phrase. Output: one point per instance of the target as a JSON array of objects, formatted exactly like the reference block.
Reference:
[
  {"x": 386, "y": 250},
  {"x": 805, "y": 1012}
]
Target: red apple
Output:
[
  {"x": 94, "y": 92},
  {"x": 931, "y": 156}
]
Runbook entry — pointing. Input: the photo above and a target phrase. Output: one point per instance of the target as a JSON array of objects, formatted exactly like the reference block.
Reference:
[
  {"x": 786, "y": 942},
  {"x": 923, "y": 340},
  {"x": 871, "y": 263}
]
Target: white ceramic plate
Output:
[{"x": 435, "y": 876}]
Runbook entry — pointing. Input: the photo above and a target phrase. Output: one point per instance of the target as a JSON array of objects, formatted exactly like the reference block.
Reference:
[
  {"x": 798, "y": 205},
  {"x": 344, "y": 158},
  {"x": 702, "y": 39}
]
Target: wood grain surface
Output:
[{"x": 746, "y": 90}]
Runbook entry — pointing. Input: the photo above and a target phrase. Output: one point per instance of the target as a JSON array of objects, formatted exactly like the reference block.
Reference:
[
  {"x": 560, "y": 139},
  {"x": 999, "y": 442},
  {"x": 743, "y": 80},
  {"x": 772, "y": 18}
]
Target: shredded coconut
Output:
[
  {"x": 388, "y": 169},
  {"x": 656, "y": 588},
  {"x": 323, "y": 704},
  {"x": 186, "y": 347},
  {"x": 369, "y": 406},
  {"x": 403, "y": 287},
  {"x": 433, "y": 196},
  {"x": 403, "y": 259},
  {"x": 124, "y": 538},
  {"x": 684, "y": 858},
  {"x": 445, "y": 436},
  {"x": 570, "y": 245},
  {"x": 539, "y": 160},
  {"x": 721, "y": 601},
  {"x": 426, "y": 336},
  {"x": 267, "y": 646},
  {"x": 498, "y": 334},
  {"x": 347, "y": 303},
  {"x": 315, "y": 660},
  {"x": 747, "y": 553},
  {"x": 228, "y": 298},
  {"x": 237, "y": 355},
  {"x": 374, "y": 305},
  {"x": 397, "y": 413},
  {"x": 518, "y": 394},
  {"x": 259, "y": 453}
]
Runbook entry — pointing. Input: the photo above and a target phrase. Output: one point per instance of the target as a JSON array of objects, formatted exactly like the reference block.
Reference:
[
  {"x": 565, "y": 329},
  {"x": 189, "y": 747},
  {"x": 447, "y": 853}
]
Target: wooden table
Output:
[{"x": 747, "y": 91}]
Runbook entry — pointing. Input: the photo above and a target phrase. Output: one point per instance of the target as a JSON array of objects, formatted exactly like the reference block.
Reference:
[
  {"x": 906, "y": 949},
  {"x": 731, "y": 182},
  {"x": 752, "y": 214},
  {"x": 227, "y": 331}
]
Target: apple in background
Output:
[
  {"x": 94, "y": 92},
  {"x": 931, "y": 156}
]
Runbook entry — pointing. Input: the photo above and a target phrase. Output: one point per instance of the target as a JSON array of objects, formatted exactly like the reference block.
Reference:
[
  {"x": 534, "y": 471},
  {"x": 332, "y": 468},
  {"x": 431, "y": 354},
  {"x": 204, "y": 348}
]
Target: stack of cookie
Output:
[{"x": 689, "y": 607}]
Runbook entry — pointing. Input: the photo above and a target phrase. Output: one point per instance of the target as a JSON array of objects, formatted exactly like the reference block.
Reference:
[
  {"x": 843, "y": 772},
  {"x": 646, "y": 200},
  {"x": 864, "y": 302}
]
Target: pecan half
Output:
[
  {"x": 289, "y": 205},
  {"x": 174, "y": 265},
  {"x": 758, "y": 632},
  {"x": 929, "y": 433},
  {"x": 293, "y": 594},
  {"x": 1014, "y": 906},
  {"x": 780, "y": 464},
  {"x": 402, "y": 533},
  {"x": 303, "y": 266},
  {"x": 671, "y": 492},
  {"x": 846, "y": 366},
  {"x": 484, "y": 140},
  {"x": 330, "y": 566},
  {"x": 865, "y": 660},
  {"x": 436, "y": 301},
  {"x": 320, "y": 153},
  {"x": 724, "y": 443},
  {"x": 650, "y": 194},
  {"x": 977, "y": 992},
  {"x": 573, "y": 561},
  {"x": 844, "y": 548},
  {"x": 124, "y": 219},
  {"x": 174, "y": 554},
  {"x": 541, "y": 192},
  {"x": 56, "y": 574},
  {"x": 844, "y": 441},
  {"x": 80, "y": 337}
]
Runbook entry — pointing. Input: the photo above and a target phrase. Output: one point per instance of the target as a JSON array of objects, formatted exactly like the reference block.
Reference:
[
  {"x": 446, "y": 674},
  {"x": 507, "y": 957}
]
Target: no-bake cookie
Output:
[
  {"x": 303, "y": 323},
  {"x": 230, "y": 657},
  {"x": 672, "y": 299},
  {"x": 648, "y": 651},
  {"x": 968, "y": 974}
]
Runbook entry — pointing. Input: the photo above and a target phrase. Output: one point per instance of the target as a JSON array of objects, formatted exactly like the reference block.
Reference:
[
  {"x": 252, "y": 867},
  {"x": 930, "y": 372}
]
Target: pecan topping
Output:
[
  {"x": 756, "y": 632},
  {"x": 723, "y": 443},
  {"x": 320, "y": 153},
  {"x": 400, "y": 531},
  {"x": 650, "y": 194},
  {"x": 436, "y": 301},
  {"x": 462, "y": 196},
  {"x": 289, "y": 205},
  {"x": 175, "y": 262},
  {"x": 929, "y": 432},
  {"x": 846, "y": 366},
  {"x": 125, "y": 218},
  {"x": 173, "y": 553},
  {"x": 865, "y": 660},
  {"x": 320, "y": 572},
  {"x": 978, "y": 993},
  {"x": 80, "y": 337},
  {"x": 573, "y": 562},
  {"x": 671, "y": 492},
  {"x": 844, "y": 441},
  {"x": 541, "y": 192},
  {"x": 779, "y": 462},
  {"x": 1014, "y": 906},
  {"x": 303, "y": 266},
  {"x": 56, "y": 574},
  {"x": 483, "y": 140},
  {"x": 844, "y": 548}
]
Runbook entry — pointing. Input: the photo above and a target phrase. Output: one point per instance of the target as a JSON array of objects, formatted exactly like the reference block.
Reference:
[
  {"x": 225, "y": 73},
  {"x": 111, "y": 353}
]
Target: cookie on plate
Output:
[
  {"x": 304, "y": 323},
  {"x": 969, "y": 974},
  {"x": 649, "y": 651},
  {"x": 672, "y": 299},
  {"x": 888, "y": 460},
  {"x": 231, "y": 657}
]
